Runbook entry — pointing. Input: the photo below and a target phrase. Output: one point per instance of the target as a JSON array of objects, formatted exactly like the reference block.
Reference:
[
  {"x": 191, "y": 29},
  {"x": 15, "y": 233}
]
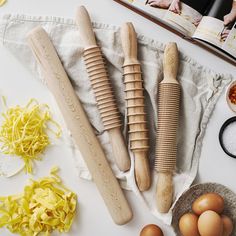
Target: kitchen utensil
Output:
[
  {"x": 166, "y": 141},
  {"x": 102, "y": 88},
  {"x": 138, "y": 132},
  {"x": 184, "y": 203},
  {"x": 79, "y": 126}
]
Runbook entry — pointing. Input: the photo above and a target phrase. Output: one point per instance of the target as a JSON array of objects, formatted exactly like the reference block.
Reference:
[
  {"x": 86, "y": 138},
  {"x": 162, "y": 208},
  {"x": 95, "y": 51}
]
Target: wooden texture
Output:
[
  {"x": 167, "y": 124},
  {"x": 102, "y": 88},
  {"x": 138, "y": 133},
  {"x": 79, "y": 126}
]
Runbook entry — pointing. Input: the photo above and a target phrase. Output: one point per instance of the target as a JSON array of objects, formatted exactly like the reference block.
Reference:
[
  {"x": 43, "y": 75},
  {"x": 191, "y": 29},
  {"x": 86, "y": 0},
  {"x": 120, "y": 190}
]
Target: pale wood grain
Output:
[
  {"x": 138, "y": 133},
  {"x": 167, "y": 124},
  {"x": 102, "y": 88},
  {"x": 79, "y": 126}
]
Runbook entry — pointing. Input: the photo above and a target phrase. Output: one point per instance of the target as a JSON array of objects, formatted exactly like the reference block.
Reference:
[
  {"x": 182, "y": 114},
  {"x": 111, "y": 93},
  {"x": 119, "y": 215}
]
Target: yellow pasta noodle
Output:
[
  {"x": 44, "y": 206},
  {"x": 24, "y": 131},
  {"x": 2, "y": 2}
]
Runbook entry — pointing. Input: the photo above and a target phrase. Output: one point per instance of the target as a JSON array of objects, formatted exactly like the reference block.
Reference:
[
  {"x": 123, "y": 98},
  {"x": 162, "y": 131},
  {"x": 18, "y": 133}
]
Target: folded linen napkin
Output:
[{"x": 200, "y": 87}]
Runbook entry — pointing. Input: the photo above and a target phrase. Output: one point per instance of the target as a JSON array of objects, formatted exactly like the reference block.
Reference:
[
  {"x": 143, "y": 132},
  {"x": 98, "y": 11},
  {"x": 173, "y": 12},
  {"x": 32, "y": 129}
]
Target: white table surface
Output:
[{"x": 17, "y": 84}]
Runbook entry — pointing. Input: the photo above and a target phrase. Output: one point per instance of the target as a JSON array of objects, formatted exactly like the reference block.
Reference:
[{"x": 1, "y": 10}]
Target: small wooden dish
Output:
[
  {"x": 184, "y": 204},
  {"x": 230, "y": 104}
]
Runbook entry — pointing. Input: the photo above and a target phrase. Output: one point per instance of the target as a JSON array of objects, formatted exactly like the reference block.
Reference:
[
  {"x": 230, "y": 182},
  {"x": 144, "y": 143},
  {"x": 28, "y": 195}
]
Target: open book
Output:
[{"x": 208, "y": 23}]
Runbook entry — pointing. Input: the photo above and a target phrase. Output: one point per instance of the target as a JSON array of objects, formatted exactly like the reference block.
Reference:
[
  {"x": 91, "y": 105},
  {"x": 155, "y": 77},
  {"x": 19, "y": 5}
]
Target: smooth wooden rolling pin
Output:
[
  {"x": 102, "y": 88},
  {"x": 167, "y": 124},
  {"x": 138, "y": 132},
  {"x": 79, "y": 126}
]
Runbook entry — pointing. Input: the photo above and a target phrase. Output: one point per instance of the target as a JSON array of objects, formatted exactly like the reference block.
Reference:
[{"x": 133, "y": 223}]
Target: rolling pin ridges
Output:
[
  {"x": 134, "y": 97},
  {"x": 95, "y": 65},
  {"x": 131, "y": 64},
  {"x": 138, "y": 133},
  {"x": 140, "y": 130},
  {"x": 167, "y": 124},
  {"x": 98, "y": 75},
  {"x": 137, "y": 124}
]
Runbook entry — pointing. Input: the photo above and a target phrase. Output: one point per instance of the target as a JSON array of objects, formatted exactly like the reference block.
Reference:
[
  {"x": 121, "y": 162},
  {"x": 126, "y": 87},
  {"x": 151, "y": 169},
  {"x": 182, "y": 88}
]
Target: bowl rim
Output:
[
  {"x": 230, "y": 104},
  {"x": 222, "y": 129}
]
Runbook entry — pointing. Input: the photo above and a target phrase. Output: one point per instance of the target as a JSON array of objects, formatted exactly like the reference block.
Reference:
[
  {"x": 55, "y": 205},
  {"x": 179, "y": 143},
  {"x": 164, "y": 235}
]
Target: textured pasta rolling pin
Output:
[
  {"x": 79, "y": 126},
  {"x": 138, "y": 133},
  {"x": 168, "y": 115},
  {"x": 102, "y": 89}
]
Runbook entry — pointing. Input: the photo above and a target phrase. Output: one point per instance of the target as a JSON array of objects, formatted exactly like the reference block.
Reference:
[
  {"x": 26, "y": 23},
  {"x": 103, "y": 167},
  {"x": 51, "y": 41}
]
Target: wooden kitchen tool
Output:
[
  {"x": 138, "y": 132},
  {"x": 79, "y": 126},
  {"x": 167, "y": 124},
  {"x": 102, "y": 88}
]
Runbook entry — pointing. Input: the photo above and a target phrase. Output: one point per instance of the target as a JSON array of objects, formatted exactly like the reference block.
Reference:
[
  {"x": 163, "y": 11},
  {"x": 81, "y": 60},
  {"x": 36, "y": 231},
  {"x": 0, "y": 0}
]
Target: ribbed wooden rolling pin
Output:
[
  {"x": 102, "y": 88},
  {"x": 79, "y": 126},
  {"x": 167, "y": 124},
  {"x": 138, "y": 133}
]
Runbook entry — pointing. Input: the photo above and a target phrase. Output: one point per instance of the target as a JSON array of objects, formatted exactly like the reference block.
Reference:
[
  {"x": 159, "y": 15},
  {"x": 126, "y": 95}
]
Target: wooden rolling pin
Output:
[
  {"x": 138, "y": 132},
  {"x": 102, "y": 88},
  {"x": 167, "y": 124},
  {"x": 79, "y": 126}
]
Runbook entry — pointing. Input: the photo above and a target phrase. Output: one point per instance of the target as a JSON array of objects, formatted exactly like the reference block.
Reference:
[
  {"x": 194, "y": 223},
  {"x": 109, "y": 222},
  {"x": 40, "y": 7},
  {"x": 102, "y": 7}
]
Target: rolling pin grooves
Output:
[
  {"x": 138, "y": 133},
  {"x": 166, "y": 148},
  {"x": 95, "y": 65}
]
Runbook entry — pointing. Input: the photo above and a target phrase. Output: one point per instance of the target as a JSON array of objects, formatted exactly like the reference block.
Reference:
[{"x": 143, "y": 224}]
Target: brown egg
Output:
[
  {"x": 210, "y": 224},
  {"x": 209, "y": 201},
  {"x": 227, "y": 225},
  {"x": 188, "y": 225},
  {"x": 151, "y": 230}
]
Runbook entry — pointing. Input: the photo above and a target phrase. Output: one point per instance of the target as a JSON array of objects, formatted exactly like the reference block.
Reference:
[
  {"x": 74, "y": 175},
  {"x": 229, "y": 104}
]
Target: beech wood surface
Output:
[
  {"x": 167, "y": 124},
  {"x": 79, "y": 126},
  {"x": 102, "y": 88},
  {"x": 138, "y": 132}
]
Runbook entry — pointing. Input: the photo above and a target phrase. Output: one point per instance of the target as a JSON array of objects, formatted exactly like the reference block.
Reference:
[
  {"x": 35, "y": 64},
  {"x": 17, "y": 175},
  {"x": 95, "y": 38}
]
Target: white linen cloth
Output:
[{"x": 200, "y": 89}]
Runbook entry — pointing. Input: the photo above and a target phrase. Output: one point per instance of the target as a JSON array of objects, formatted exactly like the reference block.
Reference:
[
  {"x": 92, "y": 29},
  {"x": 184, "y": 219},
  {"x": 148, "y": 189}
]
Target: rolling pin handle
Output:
[
  {"x": 142, "y": 171},
  {"x": 120, "y": 152},
  {"x": 129, "y": 43},
  {"x": 170, "y": 63},
  {"x": 164, "y": 191},
  {"x": 85, "y": 26}
]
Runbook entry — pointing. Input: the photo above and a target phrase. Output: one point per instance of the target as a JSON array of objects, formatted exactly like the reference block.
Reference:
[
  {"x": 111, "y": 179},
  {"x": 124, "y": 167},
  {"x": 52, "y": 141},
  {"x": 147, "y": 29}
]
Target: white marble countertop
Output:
[{"x": 15, "y": 81}]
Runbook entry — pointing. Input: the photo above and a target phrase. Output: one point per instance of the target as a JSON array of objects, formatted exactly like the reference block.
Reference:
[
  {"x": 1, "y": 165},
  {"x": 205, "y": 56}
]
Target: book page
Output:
[
  {"x": 210, "y": 29},
  {"x": 150, "y": 7},
  {"x": 175, "y": 13},
  {"x": 230, "y": 43},
  {"x": 183, "y": 17},
  {"x": 218, "y": 27}
]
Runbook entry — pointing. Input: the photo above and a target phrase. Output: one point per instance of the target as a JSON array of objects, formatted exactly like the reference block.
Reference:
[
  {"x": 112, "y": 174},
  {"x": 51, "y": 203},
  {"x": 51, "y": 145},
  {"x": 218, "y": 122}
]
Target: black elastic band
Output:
[{"x": 222, "y": 129}]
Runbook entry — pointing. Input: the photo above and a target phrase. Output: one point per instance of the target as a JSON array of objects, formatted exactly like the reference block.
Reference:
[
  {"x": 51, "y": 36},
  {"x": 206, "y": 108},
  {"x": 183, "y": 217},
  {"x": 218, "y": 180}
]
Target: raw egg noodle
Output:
[
  {"x": 44, "y": 206},
  {"x": 2, "y": 2},
  {"x": 24, "y": 131}
]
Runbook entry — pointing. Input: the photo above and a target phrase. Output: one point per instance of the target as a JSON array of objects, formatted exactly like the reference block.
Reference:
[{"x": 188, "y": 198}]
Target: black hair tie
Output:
[{"x": 222, "y": 129}]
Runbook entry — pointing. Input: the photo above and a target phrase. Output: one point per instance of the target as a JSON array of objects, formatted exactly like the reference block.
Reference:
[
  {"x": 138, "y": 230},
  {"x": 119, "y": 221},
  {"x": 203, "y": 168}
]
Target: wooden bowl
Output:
[
  {"x": 184, "y": 204},
  {"x": 230, "y": 104}
]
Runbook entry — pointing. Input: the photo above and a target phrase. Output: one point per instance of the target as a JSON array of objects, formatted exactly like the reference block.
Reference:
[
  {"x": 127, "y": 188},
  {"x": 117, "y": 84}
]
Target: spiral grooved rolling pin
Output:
[
  {"x": 138, "y": 133},
  {"x": 79, "y": 126},
  {"x": 102, "y": 89},
  {"x": 167, "y": 124}
]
